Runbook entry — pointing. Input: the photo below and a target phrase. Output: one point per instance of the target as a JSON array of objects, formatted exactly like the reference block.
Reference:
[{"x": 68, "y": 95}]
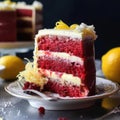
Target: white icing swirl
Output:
[
  {"x": 83, "y": 26},
  {"x": 87, "y": 30},
  {"x": 21, "y": 3},
  {"x": 37, "y": 5}
]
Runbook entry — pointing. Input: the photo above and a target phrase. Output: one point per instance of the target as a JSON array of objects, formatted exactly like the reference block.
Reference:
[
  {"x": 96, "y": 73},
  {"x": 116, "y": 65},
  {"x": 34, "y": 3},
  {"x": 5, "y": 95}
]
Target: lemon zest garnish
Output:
[
  {"x": 9, "y": 2},
  {"x": 61, "y": 25},
  {"x": 31, "y": 74},
  {"x": 73, "y": 26},
  {"x": 84, "y": 29}
]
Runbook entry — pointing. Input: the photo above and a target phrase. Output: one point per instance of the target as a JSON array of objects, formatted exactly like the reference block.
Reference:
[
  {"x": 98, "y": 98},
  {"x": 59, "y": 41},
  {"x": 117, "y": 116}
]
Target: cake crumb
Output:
[{"x": 41, "y": 110}]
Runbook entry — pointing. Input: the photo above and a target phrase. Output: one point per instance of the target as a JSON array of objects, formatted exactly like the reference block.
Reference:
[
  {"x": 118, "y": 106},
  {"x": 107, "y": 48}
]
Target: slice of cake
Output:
[
  {"x": 7, "y": 21},
  {"x": 64, "y": 56},
  {"x": 19, "y": 21},
  {"x": 29, "y": 20}
]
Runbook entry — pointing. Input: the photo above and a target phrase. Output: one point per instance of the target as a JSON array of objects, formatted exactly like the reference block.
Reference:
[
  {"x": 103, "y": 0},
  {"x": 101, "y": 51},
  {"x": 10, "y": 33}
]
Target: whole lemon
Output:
[
  {"x": 111, "y": 64},
  {"x": 110, "y": 102},
  {"x": 13, "y": 65}
]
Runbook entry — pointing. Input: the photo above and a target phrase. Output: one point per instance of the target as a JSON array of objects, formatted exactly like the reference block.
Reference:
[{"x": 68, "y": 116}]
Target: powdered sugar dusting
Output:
[{"x": 8, "y": 103}]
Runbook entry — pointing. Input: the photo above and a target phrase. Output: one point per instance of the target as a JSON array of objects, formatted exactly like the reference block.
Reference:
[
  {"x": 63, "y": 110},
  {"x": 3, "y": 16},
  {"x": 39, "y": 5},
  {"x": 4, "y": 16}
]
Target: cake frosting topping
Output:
[
  {"x": 21, "y": 3},
  {"x": 36, "y": 4},
  {"x": 7, "y": 5},
  {"x": 84, "y": 29}
]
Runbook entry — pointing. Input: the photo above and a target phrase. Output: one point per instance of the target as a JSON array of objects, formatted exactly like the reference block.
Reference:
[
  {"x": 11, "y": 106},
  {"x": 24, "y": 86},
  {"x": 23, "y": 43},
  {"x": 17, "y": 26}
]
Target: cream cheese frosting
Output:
[
  {"x": 36, "y": 4},
  {"x": 59, "y": 33},
  {"x": 62, "y": 55},
  {"x": 7, "y": 5},
  {"x": 81, "y": 35},
  {"x": 61, "y": 77},
  {"x": 84, "y": 29}
]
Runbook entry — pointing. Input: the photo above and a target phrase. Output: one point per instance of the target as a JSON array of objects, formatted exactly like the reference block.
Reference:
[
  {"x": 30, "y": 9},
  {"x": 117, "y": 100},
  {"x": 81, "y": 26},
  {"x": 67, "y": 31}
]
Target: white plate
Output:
[
  {"x": 104, "y": 88},
  {"x": 8, "y": 45}
]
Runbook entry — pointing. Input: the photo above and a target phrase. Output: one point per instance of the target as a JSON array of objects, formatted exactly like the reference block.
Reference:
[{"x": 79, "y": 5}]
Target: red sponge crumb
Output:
[
  {"x": 41, "y": 110},
  {"x": 29, "y": 85}
]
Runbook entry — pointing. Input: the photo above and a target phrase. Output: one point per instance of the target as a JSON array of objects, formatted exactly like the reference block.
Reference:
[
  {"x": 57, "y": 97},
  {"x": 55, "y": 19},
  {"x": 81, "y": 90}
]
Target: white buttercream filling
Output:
[
  {"x": 25, "y": 18},
  {"x": 62, "y": 77},
  {"x": 61, "y": 55}
]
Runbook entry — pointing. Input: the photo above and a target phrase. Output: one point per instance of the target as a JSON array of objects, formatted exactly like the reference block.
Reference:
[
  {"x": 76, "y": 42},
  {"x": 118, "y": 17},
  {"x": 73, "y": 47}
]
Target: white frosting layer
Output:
[
  {"x": 81, "y": 32},
  {"x": 80, "y": 28},
  {"x": 7, "y": 6},
  {"x": 59, "y": 33},
  {"x": 62, "y": 55},
  {"x": 36, "y": 4},
  {"x": 62, "y": 77}
]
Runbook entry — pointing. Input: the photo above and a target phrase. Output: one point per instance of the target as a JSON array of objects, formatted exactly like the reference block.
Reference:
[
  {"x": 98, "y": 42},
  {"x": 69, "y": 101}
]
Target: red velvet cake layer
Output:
[
  {"x": 61, "y": 65},
  {"x": 7, "y": 16},
  {"x": 7, "y": 36},
  {"x": 66, "y": 90},
  {"x": 65, "y": 44},
  {"x": 31, "y": 19},
  {"x": 24, "y": 24},
  {"x": 24, "y": 12},
  {"x": 7, "y": 26},
  {"x": 87, "y": 80}
]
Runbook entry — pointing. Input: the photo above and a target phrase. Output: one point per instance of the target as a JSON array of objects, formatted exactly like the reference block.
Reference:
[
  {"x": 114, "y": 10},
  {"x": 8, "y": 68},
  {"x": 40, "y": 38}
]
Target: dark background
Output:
[{"x": 103, "y": 14}]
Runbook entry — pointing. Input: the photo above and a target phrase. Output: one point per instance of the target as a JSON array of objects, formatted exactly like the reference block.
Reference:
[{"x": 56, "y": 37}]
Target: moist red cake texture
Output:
[
  {"x": 83, "y": 49},
  {"x": 66, "y": 59},
  {"x": 6, "y": 23}
]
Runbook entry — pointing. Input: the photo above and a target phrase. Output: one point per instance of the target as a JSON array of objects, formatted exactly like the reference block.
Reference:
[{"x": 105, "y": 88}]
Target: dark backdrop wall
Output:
[{"x": 103, "y": 14}]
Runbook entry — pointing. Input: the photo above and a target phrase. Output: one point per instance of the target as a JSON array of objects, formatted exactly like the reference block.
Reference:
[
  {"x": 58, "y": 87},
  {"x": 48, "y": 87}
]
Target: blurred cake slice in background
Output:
[
  {"x": 29, "y": 20},
  {"x": 19, "y": 21},
  {"x": 8, "y": 30}
]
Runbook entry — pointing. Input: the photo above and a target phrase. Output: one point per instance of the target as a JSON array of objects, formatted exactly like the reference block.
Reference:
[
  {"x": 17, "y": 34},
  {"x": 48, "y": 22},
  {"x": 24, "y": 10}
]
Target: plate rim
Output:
[{"x": 88, "y": 98}]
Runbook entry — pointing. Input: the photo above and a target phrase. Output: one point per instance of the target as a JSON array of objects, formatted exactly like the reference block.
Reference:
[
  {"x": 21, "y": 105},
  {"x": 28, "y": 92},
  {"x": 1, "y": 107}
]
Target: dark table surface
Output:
[{"x": 13, "y": 108}]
